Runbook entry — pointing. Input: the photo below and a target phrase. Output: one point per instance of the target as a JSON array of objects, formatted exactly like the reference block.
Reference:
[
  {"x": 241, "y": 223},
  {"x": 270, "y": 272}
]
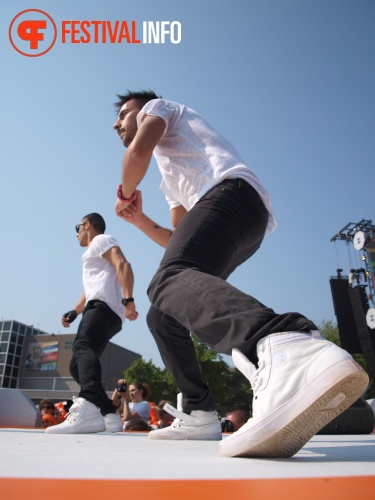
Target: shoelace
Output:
[
  {"x": 256, "y": 379},
  {"x": 74, "y": 409}
]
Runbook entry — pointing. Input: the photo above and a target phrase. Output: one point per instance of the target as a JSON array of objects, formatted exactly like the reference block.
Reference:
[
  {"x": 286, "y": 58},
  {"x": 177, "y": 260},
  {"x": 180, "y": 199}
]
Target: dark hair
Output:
[
  {"x": 96, "y": 220},
  {"x": 136, "y": 425},
  {"x": 46, "y": 402},
  {"x": 141, "y": 387},
  {"x": 143, "y": 96},
  {"x": 160, "y": 407}
]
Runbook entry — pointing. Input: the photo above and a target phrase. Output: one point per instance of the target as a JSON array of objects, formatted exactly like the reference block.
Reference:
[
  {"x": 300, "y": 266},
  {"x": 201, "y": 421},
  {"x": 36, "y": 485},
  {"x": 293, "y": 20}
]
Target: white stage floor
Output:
[{"x": 131, "y": 466}]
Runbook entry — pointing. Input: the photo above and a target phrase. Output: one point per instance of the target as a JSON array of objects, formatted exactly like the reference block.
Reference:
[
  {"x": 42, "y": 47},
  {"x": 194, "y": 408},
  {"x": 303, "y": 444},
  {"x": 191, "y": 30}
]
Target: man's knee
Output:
[
  {"x": 153, "y": 318},
  {"x": 165, "y": 279}
]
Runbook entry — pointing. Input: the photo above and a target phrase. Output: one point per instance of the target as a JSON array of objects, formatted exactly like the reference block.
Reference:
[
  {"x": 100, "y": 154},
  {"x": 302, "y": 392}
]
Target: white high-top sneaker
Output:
[
  {"x": 302, "y": 383},
  {"x": 113, "y": 422},
  {"x": 199, "y": 425},
  {"x": 83, "y": 418}
]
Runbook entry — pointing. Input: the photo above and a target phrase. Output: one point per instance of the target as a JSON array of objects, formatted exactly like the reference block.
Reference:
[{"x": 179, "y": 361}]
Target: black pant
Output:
[
  {"x": 189, "y": 293},
  {"x": 98, "y": 325}
]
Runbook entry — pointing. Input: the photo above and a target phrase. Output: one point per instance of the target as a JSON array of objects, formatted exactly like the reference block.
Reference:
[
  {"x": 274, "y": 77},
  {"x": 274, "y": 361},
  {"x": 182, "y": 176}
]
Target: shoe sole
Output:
[
  {"x": 290, "y": 433},
  {"x": 75, "y": 430},
  {"x": 174, "y": 436}
]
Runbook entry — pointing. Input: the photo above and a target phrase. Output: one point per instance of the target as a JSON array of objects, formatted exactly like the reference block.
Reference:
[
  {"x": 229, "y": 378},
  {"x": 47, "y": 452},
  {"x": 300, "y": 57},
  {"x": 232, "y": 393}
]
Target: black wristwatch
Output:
[{"x": 125, "y": 302}]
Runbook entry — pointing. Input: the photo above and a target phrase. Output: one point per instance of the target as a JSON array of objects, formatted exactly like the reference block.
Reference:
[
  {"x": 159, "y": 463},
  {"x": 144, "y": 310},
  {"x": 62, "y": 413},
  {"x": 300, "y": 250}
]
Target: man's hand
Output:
[
  {"x": 130, "y": 311},
  {"x": 131, "y": 212},
  {"x": 121, "y": 206},
  {"x": 68, "y": 318}
]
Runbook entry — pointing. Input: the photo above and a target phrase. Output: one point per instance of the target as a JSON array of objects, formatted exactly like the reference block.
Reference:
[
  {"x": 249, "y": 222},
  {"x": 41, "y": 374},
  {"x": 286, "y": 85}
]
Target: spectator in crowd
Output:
[
  {"x": 138, "y": 407},
  {"x": 136, "y": 425},
  {"x": 49, "y": 413},
  {"x": 165, "y": 418},
  {"x": 238, "y": 418}
]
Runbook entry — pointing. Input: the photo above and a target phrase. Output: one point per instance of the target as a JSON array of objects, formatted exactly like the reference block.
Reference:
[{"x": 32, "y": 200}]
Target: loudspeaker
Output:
[
  {"x": 357, "y": 419},
  {"x": 17, "y": 410},
  {"x": 366, "y": 335},
  {"x": 345, "y": 318}
]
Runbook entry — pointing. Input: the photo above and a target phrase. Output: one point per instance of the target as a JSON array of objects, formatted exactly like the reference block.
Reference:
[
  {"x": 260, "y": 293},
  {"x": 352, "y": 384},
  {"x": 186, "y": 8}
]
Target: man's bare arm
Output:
[
  {"x": 161, "y": 235},
  {"x": 125, "y": 276},
  {"x": 138, "y": 155}
]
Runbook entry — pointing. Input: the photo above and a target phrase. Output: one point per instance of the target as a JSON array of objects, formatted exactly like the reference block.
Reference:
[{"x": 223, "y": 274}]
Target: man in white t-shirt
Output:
[
  {"x": 220, "y": 213},
  {"x": 106, "y": 301}
]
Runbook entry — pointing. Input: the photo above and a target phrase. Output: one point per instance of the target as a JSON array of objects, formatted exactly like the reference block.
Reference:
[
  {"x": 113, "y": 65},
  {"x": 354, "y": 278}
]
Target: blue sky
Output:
[{"x": 289, "y": 82}]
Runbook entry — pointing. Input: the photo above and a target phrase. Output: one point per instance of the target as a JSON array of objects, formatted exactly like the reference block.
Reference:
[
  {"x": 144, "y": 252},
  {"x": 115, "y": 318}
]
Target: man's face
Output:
[
  {"x": 81, "y": 229},
  {"x": 126, "y": 123}
]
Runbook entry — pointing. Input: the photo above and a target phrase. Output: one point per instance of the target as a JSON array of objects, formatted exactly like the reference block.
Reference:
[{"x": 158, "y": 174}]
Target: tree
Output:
[{"x": 229, "y": 388}]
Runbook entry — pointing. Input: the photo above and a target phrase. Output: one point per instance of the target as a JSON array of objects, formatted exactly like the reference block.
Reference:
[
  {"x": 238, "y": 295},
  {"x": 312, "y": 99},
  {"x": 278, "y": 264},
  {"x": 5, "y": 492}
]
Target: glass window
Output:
[
  {"x": 1, "y": 369},
  {"x": 16, "y": 326},
  {"x": 12, "y": 348},
  {"x": 3, "y": 346},
  {"x": 13, "y": 338},
  {"x": 10, "y": 359},
  {"x": 13, "y": 383},
  {"x": 15, "y": 372},
  {"x": 2, "y": 358},
  {"x": 28, "y": 330},
  {"x": 22, "y": 329},
  {"x": 5, "y": 336},
  {"x": 19, "y": 350},
  {"x": 20, "y": 340},
  {"x": 8, "y": 370},
  {"x": 7, "y": 325},
  {"x": 6, "y": 381}
]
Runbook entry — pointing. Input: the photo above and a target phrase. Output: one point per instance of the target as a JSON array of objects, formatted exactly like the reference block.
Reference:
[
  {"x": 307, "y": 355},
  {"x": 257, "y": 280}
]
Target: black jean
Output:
[
  {"x": 189, "y": 293},
  {"x": 98, "y": 325}
]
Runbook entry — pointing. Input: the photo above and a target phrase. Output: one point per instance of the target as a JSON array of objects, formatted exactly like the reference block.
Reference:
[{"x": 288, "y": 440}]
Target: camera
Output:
[
  {"x": 121, "y": 387},
  {"x": 227, "y": 425}
]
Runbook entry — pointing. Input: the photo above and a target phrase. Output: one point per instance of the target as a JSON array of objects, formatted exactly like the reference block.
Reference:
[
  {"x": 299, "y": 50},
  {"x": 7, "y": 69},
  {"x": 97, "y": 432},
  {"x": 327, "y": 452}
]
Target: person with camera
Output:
[
  {"x": 107, "y": 300},
  {"x": 135, "y": 409}
]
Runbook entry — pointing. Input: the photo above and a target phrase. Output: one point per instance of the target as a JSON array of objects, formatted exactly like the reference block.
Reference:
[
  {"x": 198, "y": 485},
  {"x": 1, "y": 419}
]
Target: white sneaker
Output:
[
  {"x": 199, "y": 425},
  {"x": 113, "y": 422},
  {"x": 83, "y": 418},
  {"x": 302, "y": 383}
]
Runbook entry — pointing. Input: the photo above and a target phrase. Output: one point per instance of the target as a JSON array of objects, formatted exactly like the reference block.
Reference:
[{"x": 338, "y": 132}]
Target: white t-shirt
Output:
[
  {"x": 143, "y": 410},
  {"x": 193, "y": 157},
  {"x": 99, "y": 277}
]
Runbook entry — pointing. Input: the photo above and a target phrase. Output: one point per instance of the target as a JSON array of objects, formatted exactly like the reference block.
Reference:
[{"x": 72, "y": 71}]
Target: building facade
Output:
[
  {"x": 38, "y": 362},
  {"x": 12, "y": 338}
]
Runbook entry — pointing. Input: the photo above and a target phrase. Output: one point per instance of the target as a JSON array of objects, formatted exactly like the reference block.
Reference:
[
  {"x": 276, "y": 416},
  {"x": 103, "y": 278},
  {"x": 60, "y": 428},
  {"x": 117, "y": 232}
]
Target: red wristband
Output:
[{"x": 120, "y": 197}]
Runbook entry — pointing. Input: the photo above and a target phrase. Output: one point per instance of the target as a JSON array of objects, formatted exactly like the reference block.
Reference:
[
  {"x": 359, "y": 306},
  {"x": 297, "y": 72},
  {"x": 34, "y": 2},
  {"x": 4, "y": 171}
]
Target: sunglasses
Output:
[
  {"x": 46, "y": 408},
  {"x": 79, "y": 225}
]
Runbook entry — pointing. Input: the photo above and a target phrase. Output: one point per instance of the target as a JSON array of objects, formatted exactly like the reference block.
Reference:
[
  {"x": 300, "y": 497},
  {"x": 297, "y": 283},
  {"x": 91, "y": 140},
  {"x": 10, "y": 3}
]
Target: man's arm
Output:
[
  {"x": 125, "y": 276},
  {"x": 138, "y": 155},
  {"x": 161, "y": 235}
]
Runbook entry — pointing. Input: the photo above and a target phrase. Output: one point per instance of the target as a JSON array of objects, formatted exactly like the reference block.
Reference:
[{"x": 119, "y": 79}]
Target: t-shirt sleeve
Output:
[
  {"x": 157, "y": 107},
  {"x": 102, "y": 243}
]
